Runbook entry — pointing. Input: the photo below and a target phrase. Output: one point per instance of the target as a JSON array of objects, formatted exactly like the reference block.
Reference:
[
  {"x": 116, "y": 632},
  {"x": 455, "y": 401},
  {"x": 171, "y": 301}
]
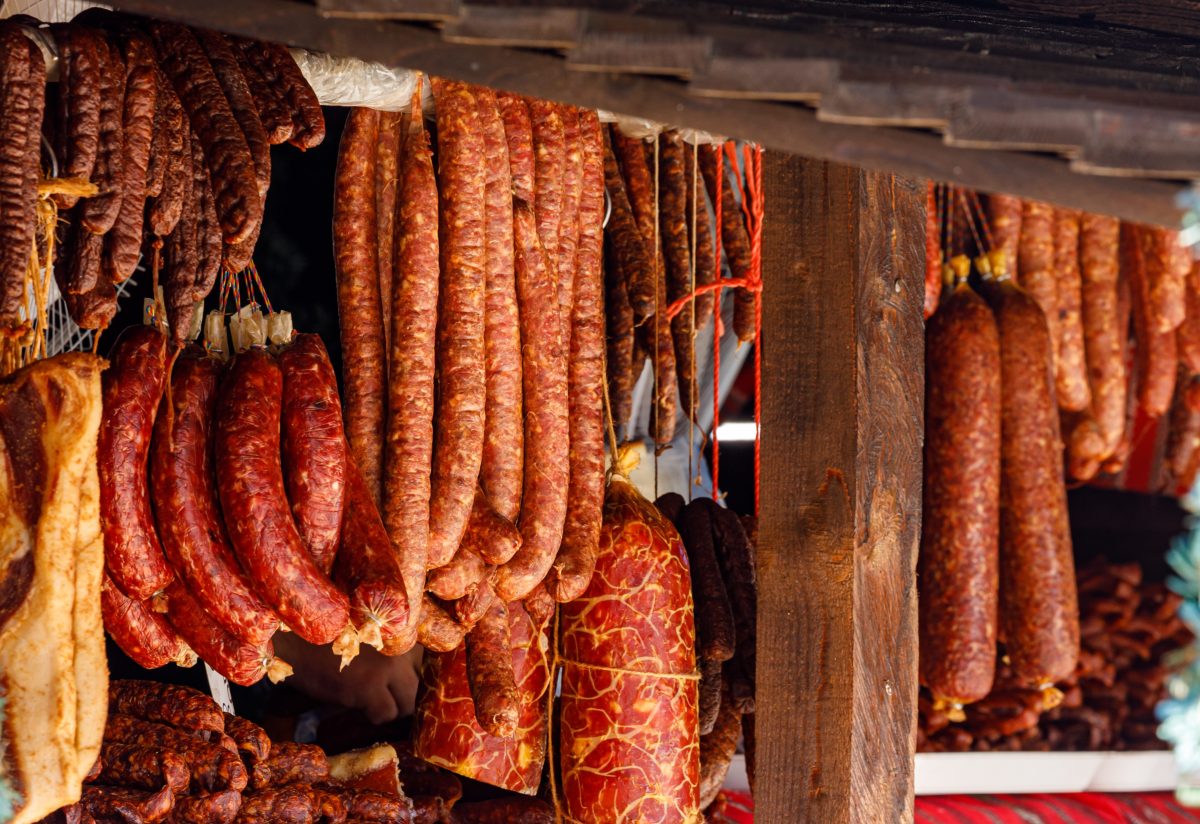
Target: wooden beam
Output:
[
  {"x": 436, "y": 10},
  {"x": 784, "y": 127},
  {"x": 841, "y": 505}
]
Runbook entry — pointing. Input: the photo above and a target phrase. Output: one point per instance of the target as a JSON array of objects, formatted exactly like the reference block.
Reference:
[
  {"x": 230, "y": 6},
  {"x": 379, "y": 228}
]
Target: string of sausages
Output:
[{"x": 1039, "y": 363}]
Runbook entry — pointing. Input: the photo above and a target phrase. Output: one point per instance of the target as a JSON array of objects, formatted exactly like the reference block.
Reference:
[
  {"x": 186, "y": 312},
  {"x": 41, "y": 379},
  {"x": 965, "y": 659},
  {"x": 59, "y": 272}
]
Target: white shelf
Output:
[{"x": 1043, "y": 772}]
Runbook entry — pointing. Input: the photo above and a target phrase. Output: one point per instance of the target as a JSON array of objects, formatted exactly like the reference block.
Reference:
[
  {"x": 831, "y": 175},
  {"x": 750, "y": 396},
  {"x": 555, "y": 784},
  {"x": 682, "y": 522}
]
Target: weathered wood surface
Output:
[{"x": 841, "y": 505}]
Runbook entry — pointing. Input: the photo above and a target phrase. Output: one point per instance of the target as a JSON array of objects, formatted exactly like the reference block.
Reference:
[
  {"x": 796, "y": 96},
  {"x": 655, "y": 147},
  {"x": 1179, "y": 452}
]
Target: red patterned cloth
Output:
[{"x": 1066, "y": 808}]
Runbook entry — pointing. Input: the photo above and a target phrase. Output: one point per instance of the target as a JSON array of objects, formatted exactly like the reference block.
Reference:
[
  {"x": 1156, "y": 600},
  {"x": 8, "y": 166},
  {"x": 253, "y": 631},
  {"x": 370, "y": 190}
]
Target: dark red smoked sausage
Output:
[
  {"x": 170, "y": 704},
  {"x": 142, "y": 634},
  {"x": 547, "y": 440},
  {"x": 261, "y": 529},
  {"x": 462, "y": 390},
  {"x": 183, "y": 479},
  {"x": 959, "y": 562},
  {"x": 314, "y": 448},
  {"x": 132, "y": 386}
]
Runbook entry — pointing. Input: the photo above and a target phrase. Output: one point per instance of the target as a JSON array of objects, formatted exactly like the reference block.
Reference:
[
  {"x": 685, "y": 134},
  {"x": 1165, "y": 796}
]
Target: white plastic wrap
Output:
[{"x": 348, "y": 81}]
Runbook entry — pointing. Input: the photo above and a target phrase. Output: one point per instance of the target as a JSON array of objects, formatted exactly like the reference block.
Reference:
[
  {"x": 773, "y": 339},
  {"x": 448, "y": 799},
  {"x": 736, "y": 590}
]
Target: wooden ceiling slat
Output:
[
  {"x": 437, "y": 10},
  {"x": 532, "y": 28}
]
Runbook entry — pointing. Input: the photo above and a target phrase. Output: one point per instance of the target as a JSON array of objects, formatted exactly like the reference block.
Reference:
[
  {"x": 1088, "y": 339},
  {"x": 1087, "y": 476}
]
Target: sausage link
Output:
[
  {"x": 714, "y": 616},
  {"x": 78, "y": 266},
  {"x": 1085, "y": 447},
  {"x": 734, "y": 240},
  {"x": 678, "y": 257},
  {"x": 213, "y": 768},
  {"x": 273, "y": 108},
  {"x": 290, "y": 763},
  {"x": 1099, "y": 266},
  {"x": 307, "y": 118},
  {"x": 182, "y": 259},
  {"x": 547, "y": 449},
  {"x": 167, "y": 206},
  {"x": 261, "y": 529},
  {"x": 490, "y": 672},
  {"x": 1167, "y": 264},
  {"x": 293, "y": 804},
  {"x": 1156, "y": 357},
  {"x": 253, "y": 743},
  {"x": 123, "y": 804},
  {"x": 359, "y": 312},
  {"x": 671, "y": 505},
  {"x": 170, "y": 704},
  {"x": 709, "y": 701},
  {"x": 933, "y": 252},
  {"x": 98, "y": 214},
  {"x": 369, "y": 570},
  {"x": 183, "y": 481},
  {"x": 314, "y": 448},
  {"x": 518, "y": 132},
  {"x": 370, "y": 807},
  {"x": 225, "y": 149},
  {"x": 77, "y": 117},
  {"x": 466, "y": 569},
  {"x": 387, "y": 186},
  {"x": 1039, "y": 614},
  {"x": 1035, "y": 256},
  {"x": 1071, "y": 381},
  {"x": 700, "y": 232},
  {"x": 459, "y": 436},
  {"x": 734, "y": 544},
  {"x": 637, "y": 173},
  {"x": 437, "y": 630},
  {"x": 572, "y": 569},
  {"x": 123, "y": 243},
  {"x": 657, "y": 339},
  {"x": 1187, "y": 336},
  {"x": 632, "y": 253},
  {"x": 414, "y": 308},
  {"x": 22, "y": 81},
  {"x": 469, "y": 609},
  {"x": 160, "y": 140},
  {"x": 142, "y": 634},
  {"x": 717, "y": 749},
  {"x": 549, "y": 169},
  {"x": 208, "y": 228},
  {"x": 1005, "y": 213},
  {"x": 619, "y": 339},
  {"x": 563, "y": 253},
  {"x": 1182, "y": 457},
  {"x": 142, "y": 768},
  {"x": 959, "y": 559},
  {"x": 503, "y": 446},
  {"x": 132, "y": 387},
  {"x": 243, "y": 664},
  {"x": 207, "y": 808}
]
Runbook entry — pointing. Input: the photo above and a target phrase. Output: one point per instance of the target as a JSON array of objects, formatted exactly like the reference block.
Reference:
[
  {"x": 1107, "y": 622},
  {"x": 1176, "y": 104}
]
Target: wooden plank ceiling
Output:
[{"x": 1057, "y": 102}]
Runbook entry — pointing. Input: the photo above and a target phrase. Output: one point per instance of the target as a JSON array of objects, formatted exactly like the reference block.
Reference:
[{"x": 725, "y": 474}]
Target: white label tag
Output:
[{"x": 219, "y": 687}]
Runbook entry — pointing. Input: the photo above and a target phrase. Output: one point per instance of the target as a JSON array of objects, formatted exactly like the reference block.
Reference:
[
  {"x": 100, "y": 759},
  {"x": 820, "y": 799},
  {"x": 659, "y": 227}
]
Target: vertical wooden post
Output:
[{"x": 841, "y": 505}]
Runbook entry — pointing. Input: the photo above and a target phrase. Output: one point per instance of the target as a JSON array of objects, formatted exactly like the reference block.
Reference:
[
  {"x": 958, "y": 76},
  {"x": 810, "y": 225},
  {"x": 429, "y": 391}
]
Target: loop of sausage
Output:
[
  {"x": 261, "y": 529},
  {"x": 142, "y": 634},
  {"x": 490, "y": 672}
]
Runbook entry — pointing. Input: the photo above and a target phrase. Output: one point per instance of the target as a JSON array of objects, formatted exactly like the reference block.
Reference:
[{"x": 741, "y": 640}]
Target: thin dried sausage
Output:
[
  {"x": 518, "y": 131},
  {"x": 22, "y": 76},
  {"x": 273, "y": 107},
  {"x": 1154, "y": 349},
  {"x": 290, "y": 763},
  {"x": 633, "y": 255},
  {"x": 568, "y": 227},
  {"x": 1074, "y": 393},
  {"x": 293, "y": 804},
  {"x": 77, "y": 116},
  {"x": 734, "y": 240},
  {"x": 572, "y": 569},
  {"x": 933, "y": 252},
  {"x": 1099, "y": 262},
  {"x": 503, "y": 444},
  {"x": 219, "y": 807},
  {"x": 549, "y": 167},
  {"x": 253, "y": 743},
  {"x": 1035, "y": 260},
  {"x": 314, "y": 447},
  {"x": 99, "y": 213},
  {"x": 959, "y": 561},
  {"x": 142, "y": 768},
  {"x": 359, "y": 312},
  {"x": 183, "y": 480},
  {"x": 387, "y": 186},
  {"x": 700, "y": 231},
  {"x": 167, "y": 206},
  {"x": 170, "y": 704},
  {"x": 409, "y": 446},
  {"x": 437, "y": 630},
  {"x": 261, "y": 529},
  {"x": 124, "y": 804},
  {"x": 619, "y": 340},
  {"x": 714, "y": 616},
  {"x": 132, "y": 387},
  {"x": 1004, "y": 214},
  {"x": 677, "y": 255},
  {"x": 544, "y": 376},
  {"x": 459, "y": 436},
  {"x": 490, "y": 672},
  {"x": 309, "y": 122},
  {"x": 213, "y": 768},
  {"x": 1167, "y": 264}
]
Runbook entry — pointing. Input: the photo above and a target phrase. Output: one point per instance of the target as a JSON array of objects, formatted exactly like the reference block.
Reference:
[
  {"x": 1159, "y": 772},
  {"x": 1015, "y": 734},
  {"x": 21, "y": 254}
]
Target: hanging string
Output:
[
  {"x": 982, "y": 217},
  {"x": 753, "y": 195},
  {"x": 655, "y": 407},
  {"x": 717, "y": 330},
  {"x": 693, "y": 393}
]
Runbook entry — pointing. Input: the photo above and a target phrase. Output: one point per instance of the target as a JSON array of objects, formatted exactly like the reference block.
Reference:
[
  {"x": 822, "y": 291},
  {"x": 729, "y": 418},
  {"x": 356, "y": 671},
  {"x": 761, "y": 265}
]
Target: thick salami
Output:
[
  {"x": 1099, "y": 262},
  {"x": 183, "y": 480},
  {"x": 1039, "y": 614},
  {"x": 503, "y": 444},
  {"x": 458, "y": 439},
  {"x": 142, "y": 634},
  {"x": 360, "y": 314},
  {"x": 243, "y": 664},
  {"x": 370, "y": 571},
  {"x": 1004, "y": 214},
  {"x": 959, "y": 560},
  {"x": 409, "y": 453},
  {"x": 99, "y": 213},
  {"x": 572, "y": 569},
  {"x": 166, "y": 704},
  {"x": 314, "y": 447},
  {"x": 1167, "y": 264},
  {"x": 123, "y": 243},
  {"x": 490, "y": 673},
  {"x": 1035, "y": 260},
  {"x": 226, "y": 152},
  {"x": 1074, "y": 393},
  {"x": 448, "y": 733},
  {"x": 1156, "y": 358},
  {"x": 633, "y": 255},
  {"x": 547, "y": 448},
  {"x": 261, "y": 529},
  {"x": 133, "y": 385},
  {"x": 631, "y": 635}
]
